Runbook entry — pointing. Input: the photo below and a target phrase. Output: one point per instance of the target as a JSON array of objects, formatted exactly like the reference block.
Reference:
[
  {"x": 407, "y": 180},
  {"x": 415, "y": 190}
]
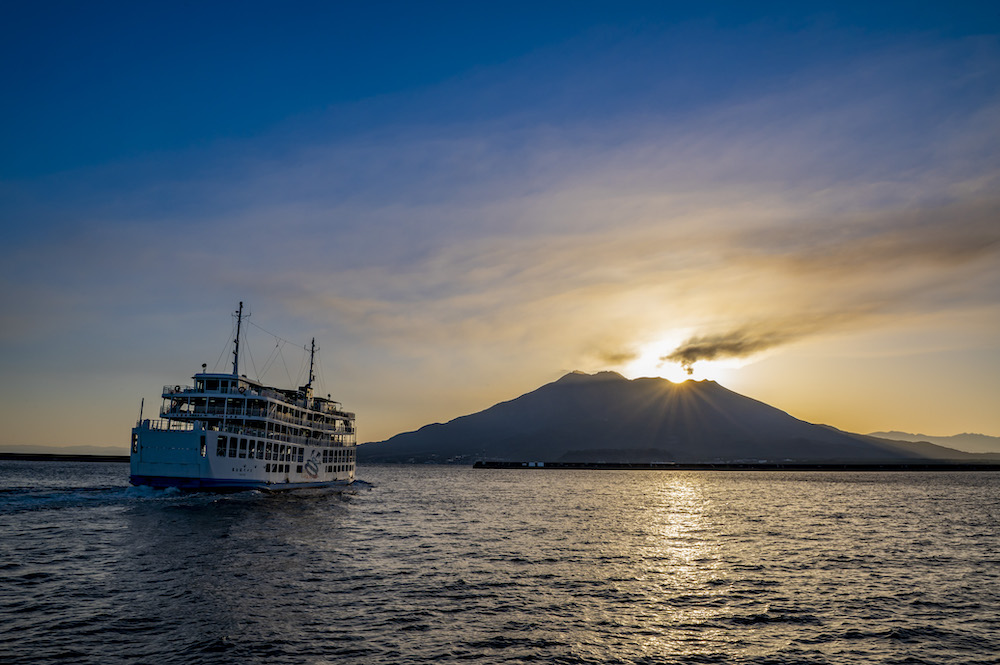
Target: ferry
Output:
[{"x": 228, "y": 432}]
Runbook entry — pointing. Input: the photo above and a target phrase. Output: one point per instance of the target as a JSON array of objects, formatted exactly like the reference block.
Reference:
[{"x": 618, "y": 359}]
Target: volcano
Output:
[{"x": 605, "y": 417}]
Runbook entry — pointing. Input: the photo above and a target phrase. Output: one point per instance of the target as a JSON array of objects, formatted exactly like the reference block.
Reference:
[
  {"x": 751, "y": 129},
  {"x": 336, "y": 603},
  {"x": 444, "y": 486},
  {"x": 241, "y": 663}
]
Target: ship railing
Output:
[
  {"x": 179, "y": 389},
  {"x": 328, "y": 409},
  {"x": 286, "y": 438},
  {"x": 303, "y": 422},
  {"x": 217, "y": 411}
]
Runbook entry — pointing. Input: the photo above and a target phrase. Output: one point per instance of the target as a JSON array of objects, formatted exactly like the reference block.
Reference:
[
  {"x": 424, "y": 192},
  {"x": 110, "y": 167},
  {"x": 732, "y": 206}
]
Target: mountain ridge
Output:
[
  {"x": 607, "y": 417},
  {"x": 969, "y": 442}
]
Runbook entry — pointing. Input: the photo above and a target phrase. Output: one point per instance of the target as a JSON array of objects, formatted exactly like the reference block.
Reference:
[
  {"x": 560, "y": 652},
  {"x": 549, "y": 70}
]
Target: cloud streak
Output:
[{"x": 891, "y": 264}]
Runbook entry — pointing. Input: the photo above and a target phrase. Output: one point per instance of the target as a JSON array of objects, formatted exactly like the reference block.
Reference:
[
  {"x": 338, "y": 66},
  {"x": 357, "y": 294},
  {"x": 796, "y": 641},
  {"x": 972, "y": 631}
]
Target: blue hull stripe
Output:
[{"x": 163, "y": 482}]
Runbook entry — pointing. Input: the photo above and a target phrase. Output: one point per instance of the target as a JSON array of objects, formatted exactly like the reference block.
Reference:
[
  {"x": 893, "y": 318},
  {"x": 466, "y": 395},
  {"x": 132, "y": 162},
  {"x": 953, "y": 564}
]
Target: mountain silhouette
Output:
[
  {"x": 605, "y": 417},
  {"x": 969, "y": 442}
]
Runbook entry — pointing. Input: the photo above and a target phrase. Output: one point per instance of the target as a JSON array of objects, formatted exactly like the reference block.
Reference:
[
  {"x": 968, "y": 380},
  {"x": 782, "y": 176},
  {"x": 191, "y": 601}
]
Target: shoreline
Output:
[
  {"x": 615, "y": 466},
  {"x": 59, "y": 457},
  {"x": 745, "y": 466}
]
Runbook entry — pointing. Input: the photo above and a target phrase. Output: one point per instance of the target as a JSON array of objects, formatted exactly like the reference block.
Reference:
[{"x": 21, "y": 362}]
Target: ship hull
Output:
[
  {"x": 229, "y": 485},
  {"x": 198, "y": 459}
]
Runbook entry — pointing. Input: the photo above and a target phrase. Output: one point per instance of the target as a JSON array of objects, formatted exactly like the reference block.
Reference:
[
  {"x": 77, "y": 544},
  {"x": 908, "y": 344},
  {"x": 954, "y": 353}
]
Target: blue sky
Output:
[{"x": 464, "y": 201}]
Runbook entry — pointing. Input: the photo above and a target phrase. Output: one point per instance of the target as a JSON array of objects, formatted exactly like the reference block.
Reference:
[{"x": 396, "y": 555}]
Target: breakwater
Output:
[{"x": 745, "y": 466}]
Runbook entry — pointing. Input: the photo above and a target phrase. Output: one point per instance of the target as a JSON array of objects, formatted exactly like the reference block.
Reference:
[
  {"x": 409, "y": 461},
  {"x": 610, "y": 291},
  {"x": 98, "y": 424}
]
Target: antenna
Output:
[
  {"x": 312, "y": 355},
  {"x": 236, "y": 346}
]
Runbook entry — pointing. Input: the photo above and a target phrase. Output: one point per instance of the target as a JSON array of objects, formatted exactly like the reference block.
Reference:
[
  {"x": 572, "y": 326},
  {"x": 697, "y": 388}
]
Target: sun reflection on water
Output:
[
  {"x": 681, "y": 568},
  {"x": 676, "y": 540}
]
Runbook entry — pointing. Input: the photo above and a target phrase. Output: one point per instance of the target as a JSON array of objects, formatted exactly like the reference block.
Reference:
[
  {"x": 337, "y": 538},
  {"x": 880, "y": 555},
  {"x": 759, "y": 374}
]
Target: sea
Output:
[{"x": 449, "y": 564}]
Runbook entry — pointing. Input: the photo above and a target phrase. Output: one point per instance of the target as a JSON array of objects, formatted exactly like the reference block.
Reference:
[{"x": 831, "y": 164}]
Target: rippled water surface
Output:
[{"x": 450, "y": 564}]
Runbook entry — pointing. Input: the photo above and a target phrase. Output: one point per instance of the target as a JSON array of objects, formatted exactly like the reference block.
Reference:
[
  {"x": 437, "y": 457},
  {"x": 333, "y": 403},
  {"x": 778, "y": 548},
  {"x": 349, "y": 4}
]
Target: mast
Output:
[
  {"x": 312, "y": 355},
  {"x": 236, "y": 346}
]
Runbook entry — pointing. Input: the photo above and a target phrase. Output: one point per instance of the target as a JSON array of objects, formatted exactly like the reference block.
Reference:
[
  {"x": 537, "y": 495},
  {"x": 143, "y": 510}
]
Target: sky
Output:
[{"x": 464, "y": 201}]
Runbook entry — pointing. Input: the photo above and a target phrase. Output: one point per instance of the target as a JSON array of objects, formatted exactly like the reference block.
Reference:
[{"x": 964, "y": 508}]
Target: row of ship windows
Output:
[
  {"x": 266, "y": 450},
  {"x": 278, "y": 468},
  {"x": 283, "y": 409},
  {"x": 284, "y": 468}
]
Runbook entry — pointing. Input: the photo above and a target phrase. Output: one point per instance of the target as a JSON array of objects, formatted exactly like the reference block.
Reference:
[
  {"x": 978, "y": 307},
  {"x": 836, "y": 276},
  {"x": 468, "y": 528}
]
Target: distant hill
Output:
[
  {"x": 968, "y": 442},
  {"x": 65, "y": 450},
  {"x": 606, "y": 417}
]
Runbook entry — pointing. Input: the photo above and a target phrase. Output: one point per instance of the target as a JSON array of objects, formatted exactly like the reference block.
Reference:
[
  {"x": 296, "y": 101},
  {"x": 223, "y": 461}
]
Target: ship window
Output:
[
  {"x": 220, "y": 447},
  {"x": 260, "y": 450},
  {"x": 301, "y": 454},
  {"x": 211, "y": 386},
  {"x": 267, "y": 468},
  {"x": 267, "y": 450},
  {"x": 243, "y": 447},
  {"x": 251, "y": 449},
  {"x": 298, "y": 469},
  {"x": 233, "y": 443}
]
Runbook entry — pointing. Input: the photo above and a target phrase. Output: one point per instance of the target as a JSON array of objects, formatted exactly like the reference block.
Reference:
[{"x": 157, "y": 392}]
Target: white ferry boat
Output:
[{"x": 228, "y": 432}]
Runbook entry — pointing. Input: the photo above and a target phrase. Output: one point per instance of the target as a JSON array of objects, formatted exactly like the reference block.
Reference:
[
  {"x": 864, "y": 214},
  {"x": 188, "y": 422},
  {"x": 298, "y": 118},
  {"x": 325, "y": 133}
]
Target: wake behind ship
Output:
[{"x": 228, "y": 432}]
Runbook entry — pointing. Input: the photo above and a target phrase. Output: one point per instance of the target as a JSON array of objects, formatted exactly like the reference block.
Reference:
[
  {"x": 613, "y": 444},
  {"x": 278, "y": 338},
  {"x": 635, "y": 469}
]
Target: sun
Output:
[{"x": 649, "y": 362}]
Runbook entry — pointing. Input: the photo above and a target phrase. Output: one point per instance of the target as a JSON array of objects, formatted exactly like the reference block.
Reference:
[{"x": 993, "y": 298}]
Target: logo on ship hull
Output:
[{"x": 311, "y": 468}]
